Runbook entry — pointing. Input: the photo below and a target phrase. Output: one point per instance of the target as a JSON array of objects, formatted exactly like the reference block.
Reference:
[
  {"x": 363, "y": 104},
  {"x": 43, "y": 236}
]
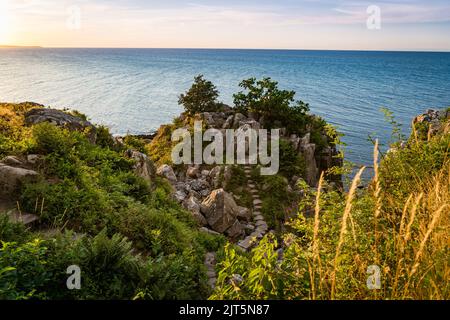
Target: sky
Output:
[{"x": 276, "y": 24}]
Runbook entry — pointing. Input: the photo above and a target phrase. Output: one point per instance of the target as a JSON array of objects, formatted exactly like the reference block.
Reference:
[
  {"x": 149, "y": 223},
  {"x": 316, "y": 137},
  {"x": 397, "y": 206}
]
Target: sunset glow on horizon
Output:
[{"x": 286, "y": 24}]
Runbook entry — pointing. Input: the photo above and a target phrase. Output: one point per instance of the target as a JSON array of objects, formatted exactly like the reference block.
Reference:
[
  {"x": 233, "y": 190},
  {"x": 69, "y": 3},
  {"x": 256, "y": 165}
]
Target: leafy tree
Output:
[
  {"x": 201, "y": 97},
  {"x": 275, "y": 106}
]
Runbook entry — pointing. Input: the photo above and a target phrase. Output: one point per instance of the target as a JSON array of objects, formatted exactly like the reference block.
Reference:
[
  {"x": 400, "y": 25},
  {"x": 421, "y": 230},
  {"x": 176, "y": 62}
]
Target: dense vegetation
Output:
[
  {"x": 132, "y": 240},
  {"x": 398, "y": 226},
  {"x": 128, "y": 235}
]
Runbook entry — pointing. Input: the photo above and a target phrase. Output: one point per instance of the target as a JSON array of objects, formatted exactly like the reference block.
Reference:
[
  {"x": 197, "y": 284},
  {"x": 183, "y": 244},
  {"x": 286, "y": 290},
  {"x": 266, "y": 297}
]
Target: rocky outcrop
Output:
[
  {"x": 308, "y": 150},
  {"x": 435, "y": 121},
  {"x": 316, "y": 160},
  {"x": 143, "y": 166},
  {"x": 12, "y": 178},
  {"x": 61, "y": 119},
  {"x": 221, "y": 212}
]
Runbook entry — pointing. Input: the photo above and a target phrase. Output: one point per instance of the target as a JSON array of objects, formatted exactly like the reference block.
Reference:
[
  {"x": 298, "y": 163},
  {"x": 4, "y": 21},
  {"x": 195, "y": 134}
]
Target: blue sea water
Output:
[{"x": 135, "y": 90}]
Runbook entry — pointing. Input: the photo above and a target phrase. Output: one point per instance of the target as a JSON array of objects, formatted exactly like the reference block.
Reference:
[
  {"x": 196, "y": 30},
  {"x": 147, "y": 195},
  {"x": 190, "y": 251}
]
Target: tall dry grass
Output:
[{"x": 411, "y": 249}]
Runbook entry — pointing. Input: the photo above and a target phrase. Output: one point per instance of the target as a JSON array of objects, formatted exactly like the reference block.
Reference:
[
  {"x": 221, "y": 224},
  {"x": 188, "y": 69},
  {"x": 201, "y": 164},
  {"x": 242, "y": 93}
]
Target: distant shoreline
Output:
[{"x": 18, "y": 47}]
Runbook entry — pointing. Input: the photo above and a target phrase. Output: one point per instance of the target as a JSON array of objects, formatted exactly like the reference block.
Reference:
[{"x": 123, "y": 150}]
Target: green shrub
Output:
[
  {"x": 23, "y": 270},
  {"x": 10, "y": 231},
  {"x": 201, "y": 97},
  {"x": 291, "y": 162},
  {"x": 265, "y": 100}
]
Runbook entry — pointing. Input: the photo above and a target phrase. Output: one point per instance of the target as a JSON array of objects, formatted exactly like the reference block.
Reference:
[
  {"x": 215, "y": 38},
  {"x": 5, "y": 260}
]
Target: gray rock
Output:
[
  {"x": 192, "y": 172},
  {"x": 205, "y": 174},
  {"x": 249, "y": 124},
  {"x": 238, "y": 117},
  {"x": 12, "y": 178},
  {"x": 214, "y": 177},
  {"x": 199, "y": 185},
  {"x": 180, "y": 195},
  {"x": 228, "y": 123},
  {"x": 209, "y": 119},
  {"x": 210, "y": 259},
  {"x": 244, "y": 214},
  {"x": 143, "y": 166},
  {"x": 236, "y": 230},
  {"x": 61, "y": 119},
  {"x": 220, "y": 211},
  {"x": 12, "y": 161},
  {"x": 209, "y": 231},
  {"x": 167, "y": 172},
  {"x": 34, "y": 158},
  {"x": 192, "y": 204}
]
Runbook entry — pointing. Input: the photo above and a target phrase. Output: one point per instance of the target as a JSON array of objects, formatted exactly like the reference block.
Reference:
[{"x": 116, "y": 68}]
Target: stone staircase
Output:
[
  {"x": 261, "y": 225},
  {"x": 248, "y": 242}
]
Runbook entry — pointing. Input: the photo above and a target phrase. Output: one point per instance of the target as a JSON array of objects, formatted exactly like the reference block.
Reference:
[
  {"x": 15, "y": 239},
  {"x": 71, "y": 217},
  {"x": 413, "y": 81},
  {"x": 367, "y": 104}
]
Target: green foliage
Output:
[
  {"x": 104, "y": 138},
  {"x": 201, "y": 97},
  {"x": 237, "y": 185},
  {"x": 265, "y": 100},
  {"x": 89, "y": 188},
  {"x": 275, "y": 197},
  {"x": 291, "y": 162},
  {"x": 160, "y": 148},
  {"x": 23, "y": 270},
  {"x": 10, "y": 231},
  {"x": 14, "y": 136},
  {"x": 110, "y": 269},
  {"x": 399, "y": 223},
  {"x": 396, "y": 127},
  {"x": 135, "y": 143}
]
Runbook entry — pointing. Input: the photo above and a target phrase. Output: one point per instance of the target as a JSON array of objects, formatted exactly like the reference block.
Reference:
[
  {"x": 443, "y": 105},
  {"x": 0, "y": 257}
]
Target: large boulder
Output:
[
  {"x": 61, "y": 119},
  {"x": 221, "y": 212},
  {"x": 12, "y": 178},
  {"x": 143, "y": 166},
  {"x": 167, "y": 172}
]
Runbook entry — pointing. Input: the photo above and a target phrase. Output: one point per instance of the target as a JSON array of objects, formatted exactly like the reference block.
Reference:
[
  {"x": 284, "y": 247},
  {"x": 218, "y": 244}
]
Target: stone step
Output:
[
  {"x": 262, "y": 229},
  {"x": 256, "y": 202},
  {"x": 253, "y": 191},
  {"x": 24, "y": 218},
  {"x": 212, "y": 282},
  {"x": 246, "y": 243},
  {"x": 261, "y": 223},
  {"x": 258, "y": 218},
  {"x": 257, "y": 234}
]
